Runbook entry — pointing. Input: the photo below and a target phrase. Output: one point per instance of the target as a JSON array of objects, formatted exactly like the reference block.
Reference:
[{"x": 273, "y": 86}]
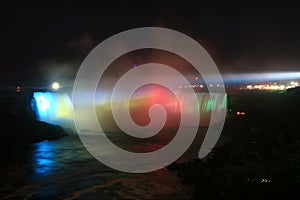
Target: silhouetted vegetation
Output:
[{"x": 19, "y": 128}]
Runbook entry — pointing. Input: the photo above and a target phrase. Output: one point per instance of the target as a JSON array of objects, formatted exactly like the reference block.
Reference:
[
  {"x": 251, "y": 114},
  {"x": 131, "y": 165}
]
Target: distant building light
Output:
[
  {"x": 240, "y": 113},
  {"x": 18, "y": 89}
]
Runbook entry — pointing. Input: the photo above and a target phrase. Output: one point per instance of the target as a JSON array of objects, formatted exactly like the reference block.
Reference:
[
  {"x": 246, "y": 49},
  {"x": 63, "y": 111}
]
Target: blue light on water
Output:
[{"x": 44, "y": 158}]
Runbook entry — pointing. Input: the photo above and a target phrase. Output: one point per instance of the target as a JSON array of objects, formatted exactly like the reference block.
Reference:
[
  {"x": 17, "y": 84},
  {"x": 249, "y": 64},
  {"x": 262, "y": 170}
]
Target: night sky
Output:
[{"x": 39, "y": 42}]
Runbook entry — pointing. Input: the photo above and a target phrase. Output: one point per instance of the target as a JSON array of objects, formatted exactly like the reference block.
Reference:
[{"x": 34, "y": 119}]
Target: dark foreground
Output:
[
  {"x": 263, "y": 159},
  {"x": 63, "y": 169}
]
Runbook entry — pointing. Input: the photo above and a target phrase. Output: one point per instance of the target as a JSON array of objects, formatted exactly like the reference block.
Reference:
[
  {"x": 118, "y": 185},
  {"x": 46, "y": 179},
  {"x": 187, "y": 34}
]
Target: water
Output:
[{"x": 63, "y": 169}]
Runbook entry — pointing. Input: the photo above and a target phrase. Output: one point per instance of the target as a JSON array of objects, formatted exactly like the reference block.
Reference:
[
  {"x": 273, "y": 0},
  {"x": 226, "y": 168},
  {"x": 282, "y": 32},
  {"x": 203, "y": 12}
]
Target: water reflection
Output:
[
  {"x": 45, "y": 158},
  {"x": 63, "y": 169}
]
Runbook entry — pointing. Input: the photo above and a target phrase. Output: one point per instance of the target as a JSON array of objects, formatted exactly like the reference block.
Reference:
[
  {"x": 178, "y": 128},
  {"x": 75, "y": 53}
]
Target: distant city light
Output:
[
  {"x": 281, "y": 85},
  {"x": 55, "y": 85},
  {"x": 264, "y": 180}
]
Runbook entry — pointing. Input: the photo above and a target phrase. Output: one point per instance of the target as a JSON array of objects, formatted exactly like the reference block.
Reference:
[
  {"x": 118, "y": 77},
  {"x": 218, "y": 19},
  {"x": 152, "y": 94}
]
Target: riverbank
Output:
[{"x": 262, "y": 161}]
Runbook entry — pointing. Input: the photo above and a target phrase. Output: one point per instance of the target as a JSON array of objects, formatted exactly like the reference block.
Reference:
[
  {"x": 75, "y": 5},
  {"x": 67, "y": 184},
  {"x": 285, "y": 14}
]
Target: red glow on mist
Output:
[{"x": 149, "y": 95}]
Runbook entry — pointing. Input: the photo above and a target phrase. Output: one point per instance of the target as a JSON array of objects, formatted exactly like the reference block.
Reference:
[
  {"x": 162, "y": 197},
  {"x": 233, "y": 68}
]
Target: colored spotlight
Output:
[{"x": 55, "y": 86}]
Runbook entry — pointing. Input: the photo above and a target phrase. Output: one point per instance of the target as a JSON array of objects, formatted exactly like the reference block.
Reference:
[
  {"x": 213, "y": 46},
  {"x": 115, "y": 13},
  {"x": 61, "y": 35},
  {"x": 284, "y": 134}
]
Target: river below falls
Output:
[{"x": 64, "y": 169}]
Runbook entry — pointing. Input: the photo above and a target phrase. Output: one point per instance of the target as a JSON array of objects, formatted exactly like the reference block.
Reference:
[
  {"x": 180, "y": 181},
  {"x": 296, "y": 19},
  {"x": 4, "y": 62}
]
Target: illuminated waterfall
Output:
[
  {"x": 139, "y": 107},
  {"x": 52, "y": 107},
  {"x": 56, "y": 108}
]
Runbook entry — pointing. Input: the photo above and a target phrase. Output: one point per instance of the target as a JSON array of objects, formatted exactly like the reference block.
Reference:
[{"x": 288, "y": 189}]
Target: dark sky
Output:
[{"x": 39, "y": 42}]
